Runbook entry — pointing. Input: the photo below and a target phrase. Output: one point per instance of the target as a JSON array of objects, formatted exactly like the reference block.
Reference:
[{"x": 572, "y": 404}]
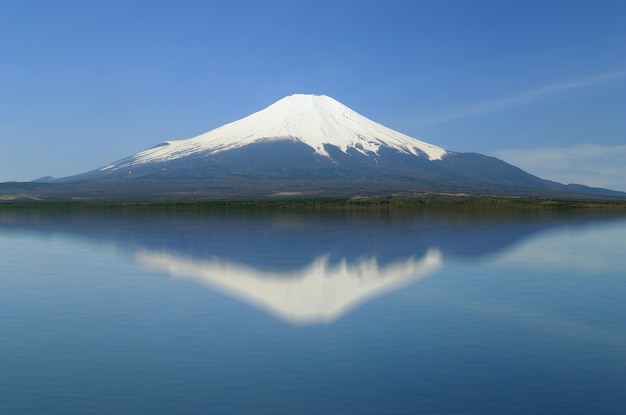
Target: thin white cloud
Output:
[
  {"x": 589, "y": 164},
  {"x": 486, "y": 107}
]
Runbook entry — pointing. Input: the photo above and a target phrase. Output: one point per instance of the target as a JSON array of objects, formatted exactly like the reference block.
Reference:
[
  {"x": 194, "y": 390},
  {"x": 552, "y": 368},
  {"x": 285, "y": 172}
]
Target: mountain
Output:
[{"x": 316, "y": 140}]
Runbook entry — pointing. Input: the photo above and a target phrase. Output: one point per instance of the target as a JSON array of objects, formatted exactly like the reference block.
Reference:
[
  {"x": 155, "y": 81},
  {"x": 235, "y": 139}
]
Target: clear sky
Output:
[{"x": 541, "y": 84}]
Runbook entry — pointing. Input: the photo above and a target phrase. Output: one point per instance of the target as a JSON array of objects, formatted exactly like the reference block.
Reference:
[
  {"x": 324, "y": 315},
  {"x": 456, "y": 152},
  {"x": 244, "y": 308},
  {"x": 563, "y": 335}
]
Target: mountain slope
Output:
[
  {"x": 316, "y": 121},
  {"x": 315, "y": 138}
]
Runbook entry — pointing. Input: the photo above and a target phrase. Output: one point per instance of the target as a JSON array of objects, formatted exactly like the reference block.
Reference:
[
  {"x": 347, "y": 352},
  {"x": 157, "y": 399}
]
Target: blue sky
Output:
[{"x": 541, "y": 84}]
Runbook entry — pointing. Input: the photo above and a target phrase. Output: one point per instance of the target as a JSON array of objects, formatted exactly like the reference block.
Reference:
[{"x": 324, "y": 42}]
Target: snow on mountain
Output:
[
  {"x": 315, "y": 120},
  {"x": 316, "y": 140}
]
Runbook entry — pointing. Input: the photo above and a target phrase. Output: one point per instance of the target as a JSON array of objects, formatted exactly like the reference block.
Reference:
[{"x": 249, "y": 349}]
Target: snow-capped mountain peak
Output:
[
  {"x": 315, "y": 120},
  {"x": 313, "y": 145}
]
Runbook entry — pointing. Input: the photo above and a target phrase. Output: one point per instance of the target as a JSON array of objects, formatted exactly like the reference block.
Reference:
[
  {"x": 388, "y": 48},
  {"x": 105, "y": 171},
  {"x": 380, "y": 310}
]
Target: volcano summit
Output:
[
  {"x": 316, "y": 121},
  {"x": 299, "y": 135},
  {"x": 316, "y": 140}
]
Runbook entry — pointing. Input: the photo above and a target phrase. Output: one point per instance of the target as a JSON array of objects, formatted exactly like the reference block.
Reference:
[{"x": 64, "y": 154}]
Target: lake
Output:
[{"x": 325, "y": 312}]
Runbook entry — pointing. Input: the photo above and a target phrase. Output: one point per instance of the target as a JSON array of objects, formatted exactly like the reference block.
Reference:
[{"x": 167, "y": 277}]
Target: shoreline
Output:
[{"x": 404, "y": 203}]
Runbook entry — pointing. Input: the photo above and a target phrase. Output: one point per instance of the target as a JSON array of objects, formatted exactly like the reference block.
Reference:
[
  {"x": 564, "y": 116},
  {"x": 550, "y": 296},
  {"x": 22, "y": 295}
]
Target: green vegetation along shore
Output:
[{"x": 417, "y": 202}]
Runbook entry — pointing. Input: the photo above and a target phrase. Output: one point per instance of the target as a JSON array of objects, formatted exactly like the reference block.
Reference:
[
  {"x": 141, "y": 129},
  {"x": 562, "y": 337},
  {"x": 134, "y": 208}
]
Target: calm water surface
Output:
[{"x": 285, "y": 313}]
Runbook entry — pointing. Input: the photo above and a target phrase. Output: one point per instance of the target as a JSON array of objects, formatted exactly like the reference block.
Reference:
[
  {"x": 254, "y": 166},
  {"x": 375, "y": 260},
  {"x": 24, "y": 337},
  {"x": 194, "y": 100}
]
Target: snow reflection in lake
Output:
[
  {"x": 318, "y": 293},
  {"x": 438, "y": 313}
]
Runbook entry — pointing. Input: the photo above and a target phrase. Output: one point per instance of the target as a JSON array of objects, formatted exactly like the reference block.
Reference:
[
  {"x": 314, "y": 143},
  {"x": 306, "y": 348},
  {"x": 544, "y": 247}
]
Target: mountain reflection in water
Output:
[
  {"x": 318, "y": 293},
  {"x": 131, "y": 311},
  {"x": 301, "y": 268}
]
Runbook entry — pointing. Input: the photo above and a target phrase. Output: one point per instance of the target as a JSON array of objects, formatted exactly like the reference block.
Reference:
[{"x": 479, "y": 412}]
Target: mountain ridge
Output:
[{"x": 315, "y": 139}]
